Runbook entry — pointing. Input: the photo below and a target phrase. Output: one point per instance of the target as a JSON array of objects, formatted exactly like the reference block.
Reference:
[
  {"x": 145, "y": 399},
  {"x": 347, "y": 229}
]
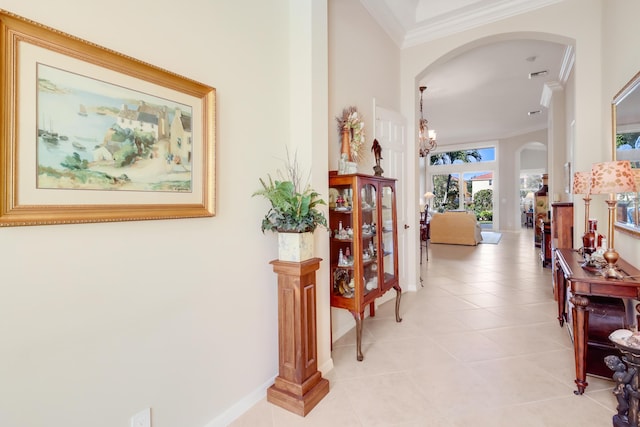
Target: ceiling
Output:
[{"x": 485, "y": 93}]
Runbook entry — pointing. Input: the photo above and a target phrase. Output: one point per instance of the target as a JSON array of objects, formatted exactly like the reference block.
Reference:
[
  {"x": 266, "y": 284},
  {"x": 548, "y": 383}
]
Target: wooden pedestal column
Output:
[{"x": 299, "y": 386}]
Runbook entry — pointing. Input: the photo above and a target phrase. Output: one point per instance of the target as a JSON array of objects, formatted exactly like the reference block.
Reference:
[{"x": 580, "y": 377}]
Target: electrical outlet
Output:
[{"x": 142, "y": 418}]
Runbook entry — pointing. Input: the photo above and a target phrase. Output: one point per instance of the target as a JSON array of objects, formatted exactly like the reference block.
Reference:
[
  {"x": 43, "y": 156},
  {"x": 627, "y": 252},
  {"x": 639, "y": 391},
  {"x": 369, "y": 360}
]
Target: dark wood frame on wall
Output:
[{"x": 24, "y": 46}]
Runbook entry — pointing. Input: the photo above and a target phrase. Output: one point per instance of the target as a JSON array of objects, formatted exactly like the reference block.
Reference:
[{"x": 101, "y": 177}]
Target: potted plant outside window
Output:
[{"x": 293, "y": 214}]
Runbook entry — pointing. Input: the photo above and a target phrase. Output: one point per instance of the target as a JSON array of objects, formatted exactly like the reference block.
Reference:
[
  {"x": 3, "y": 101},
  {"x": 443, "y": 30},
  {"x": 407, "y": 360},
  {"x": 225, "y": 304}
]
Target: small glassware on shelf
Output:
[
  {"x": 343, "y": 233},
  {"x": 371, "y": 284},
  {"x": 366, "y": 229},
  {"x": 341, "y": 203},
  {"x": 344, "y": 258}
]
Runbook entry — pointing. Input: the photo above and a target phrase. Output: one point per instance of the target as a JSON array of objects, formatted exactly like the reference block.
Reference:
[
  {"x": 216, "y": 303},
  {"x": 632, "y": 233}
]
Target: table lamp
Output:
[
  {"x": 612, "y": 178},
  {"x": 582, "y": 185},
  {"x": 427, "y": 197}
]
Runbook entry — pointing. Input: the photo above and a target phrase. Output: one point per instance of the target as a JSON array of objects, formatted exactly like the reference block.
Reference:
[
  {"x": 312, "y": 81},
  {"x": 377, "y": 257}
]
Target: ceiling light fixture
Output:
[{"x": 426, "y": 137}]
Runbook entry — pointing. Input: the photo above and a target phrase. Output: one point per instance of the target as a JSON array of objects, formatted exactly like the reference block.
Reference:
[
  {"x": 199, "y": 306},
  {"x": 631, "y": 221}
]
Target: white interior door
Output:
[{"x": 391, "y": 133}]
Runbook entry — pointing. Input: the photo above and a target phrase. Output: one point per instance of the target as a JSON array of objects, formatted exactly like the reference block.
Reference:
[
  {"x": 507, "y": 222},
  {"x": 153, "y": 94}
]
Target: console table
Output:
[{"x": 584, "y": 285}]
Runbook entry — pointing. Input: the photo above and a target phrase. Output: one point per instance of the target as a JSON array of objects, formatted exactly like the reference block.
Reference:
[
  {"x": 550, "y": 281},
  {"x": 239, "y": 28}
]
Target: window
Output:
[
  {"x": 464, "y": 179},
  {"x": 476, "y": 155}
]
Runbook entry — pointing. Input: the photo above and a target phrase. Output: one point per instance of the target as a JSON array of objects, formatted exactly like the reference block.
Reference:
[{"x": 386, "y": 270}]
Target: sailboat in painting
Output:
[
  {"x": 83, "y": 111},
  {"x": 48, "y": 136}
]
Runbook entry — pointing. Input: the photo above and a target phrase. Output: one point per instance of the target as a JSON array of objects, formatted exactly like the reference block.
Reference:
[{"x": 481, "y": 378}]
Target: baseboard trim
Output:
[
  {"x": 241, "y": 406},
  {"x": 246, "y": 403}
]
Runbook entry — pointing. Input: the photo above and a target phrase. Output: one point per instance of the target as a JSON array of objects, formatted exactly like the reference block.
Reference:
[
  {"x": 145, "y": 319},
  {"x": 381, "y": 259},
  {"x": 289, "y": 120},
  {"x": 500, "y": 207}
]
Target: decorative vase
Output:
[
  {"x": 295, "y": 247},
  {"x": 346, "y": 165},
  {"x": 345, "y": 149},
  {"x": 590, "y": 240}
]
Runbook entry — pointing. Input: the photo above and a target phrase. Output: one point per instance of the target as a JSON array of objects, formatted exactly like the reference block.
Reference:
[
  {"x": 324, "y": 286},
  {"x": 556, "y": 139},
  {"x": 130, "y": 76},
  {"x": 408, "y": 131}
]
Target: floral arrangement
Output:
[
  {"x": 351, "y": 120},
  {"x": 294, "y": 207}
]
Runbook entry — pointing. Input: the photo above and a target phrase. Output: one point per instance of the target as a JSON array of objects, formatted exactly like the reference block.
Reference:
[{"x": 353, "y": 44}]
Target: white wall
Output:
[
  {"x": 533, "y": 159},
  {"x": 364, "y": 64},
  {"x": 621, "y": 62},
  {"x": 98, "y": 321}
]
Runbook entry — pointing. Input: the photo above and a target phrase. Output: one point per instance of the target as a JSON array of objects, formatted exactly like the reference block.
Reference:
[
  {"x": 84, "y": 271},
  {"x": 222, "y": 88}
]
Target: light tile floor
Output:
[{"x": 479, "y": 345}]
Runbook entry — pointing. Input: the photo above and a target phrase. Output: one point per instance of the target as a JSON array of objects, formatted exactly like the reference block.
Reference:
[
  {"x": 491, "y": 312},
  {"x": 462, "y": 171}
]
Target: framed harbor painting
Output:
[{"x": 91, "y": 135}]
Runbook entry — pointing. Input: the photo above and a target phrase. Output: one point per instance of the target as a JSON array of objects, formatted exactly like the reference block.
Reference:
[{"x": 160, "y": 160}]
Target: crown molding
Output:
[
  {"x": 568, "y": 62},
  {"x": 384, "y": 16}
]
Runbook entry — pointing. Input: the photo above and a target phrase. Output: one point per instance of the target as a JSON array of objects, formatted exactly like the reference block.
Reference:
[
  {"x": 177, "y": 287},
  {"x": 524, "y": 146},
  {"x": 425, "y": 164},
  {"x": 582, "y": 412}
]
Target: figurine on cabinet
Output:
[
  {"x": 341, "y": 281},
  {"x": 377, "y": 153}
]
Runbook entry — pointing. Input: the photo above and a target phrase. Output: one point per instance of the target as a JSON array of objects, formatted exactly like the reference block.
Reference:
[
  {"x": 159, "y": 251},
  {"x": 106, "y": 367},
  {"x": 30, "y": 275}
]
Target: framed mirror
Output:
[{"x": 626, "y": 146}]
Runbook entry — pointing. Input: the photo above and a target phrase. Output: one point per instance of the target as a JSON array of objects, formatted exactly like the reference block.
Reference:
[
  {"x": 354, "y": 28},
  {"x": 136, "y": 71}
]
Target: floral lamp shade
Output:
[
  {"x": 429, "y": 195},
  {"x": 612, "y": 177},
  {"x": 581, "y": 183}
]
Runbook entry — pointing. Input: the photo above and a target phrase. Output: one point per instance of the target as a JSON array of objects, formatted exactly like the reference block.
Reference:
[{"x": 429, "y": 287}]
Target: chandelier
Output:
[{"x": 426, "y": 136}]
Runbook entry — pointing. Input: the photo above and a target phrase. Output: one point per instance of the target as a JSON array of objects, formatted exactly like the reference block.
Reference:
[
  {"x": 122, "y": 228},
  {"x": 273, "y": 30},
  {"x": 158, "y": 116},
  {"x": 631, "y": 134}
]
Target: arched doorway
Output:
[{"x": 469, "y": 105}]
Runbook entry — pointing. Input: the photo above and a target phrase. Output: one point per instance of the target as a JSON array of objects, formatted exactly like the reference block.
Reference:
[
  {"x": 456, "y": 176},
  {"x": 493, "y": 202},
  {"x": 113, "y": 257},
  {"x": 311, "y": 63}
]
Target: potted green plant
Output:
[{"x": 293, "y": 214}]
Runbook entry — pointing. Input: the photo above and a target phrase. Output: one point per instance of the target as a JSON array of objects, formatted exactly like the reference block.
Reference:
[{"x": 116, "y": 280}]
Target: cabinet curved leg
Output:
[
  {"x": 358, "y": 317},
  {"x": 398, "y": 296}
]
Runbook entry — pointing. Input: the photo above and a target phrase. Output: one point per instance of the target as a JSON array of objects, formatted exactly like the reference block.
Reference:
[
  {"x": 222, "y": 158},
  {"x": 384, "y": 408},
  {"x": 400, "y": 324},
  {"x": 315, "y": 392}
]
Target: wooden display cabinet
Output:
[
  {"x": 561, "y": 234},
  {"x": 545, "y": 248},
  {"x": 562, "y": 225},
  {"x": 364, "y": 244}
]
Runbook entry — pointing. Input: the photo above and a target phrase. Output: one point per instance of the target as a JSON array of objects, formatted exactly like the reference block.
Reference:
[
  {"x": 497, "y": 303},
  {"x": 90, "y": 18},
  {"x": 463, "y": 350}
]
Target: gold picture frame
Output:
[
  {"x": 625, "y": 110},
  {"x": 62, "y": 162}
]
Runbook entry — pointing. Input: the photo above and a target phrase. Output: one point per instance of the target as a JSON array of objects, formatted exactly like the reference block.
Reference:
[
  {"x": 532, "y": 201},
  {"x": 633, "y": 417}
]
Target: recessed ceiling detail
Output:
[
  {"x": 411, "y": 22},
  {"x": 484, "y": 93}
]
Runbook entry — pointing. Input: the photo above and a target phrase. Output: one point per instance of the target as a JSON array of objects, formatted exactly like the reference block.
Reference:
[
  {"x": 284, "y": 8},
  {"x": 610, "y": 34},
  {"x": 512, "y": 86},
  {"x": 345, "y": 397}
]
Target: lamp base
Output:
[
  {"x": 588, "y": 260},
  {"x": 611, "y": 271}
]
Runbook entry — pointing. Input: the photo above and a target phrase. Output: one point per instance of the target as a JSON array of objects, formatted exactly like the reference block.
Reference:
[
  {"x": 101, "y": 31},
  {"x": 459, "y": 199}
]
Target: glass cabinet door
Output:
[
  {"x": 342, "y": 235},
  {"x": 388, "y": 234},
  {"x": 368, "y": 205}
]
